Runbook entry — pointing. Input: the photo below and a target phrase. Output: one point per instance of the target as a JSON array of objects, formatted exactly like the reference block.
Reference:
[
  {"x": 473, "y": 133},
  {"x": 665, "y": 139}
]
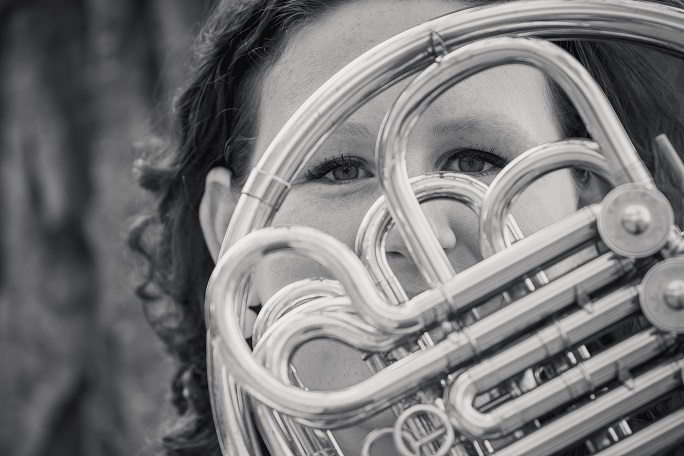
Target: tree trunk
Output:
[{"x": 80, "y": 80}]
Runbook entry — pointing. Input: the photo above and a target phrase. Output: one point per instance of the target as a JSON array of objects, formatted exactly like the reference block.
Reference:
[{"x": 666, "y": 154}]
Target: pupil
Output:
[
  {"x": 471, "y": 164},
  {"x": 346, "y": 173}
]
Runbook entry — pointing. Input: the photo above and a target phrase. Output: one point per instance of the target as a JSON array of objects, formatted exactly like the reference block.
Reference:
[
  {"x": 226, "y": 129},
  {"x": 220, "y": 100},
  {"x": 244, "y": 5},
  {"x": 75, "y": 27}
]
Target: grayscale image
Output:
[{"x": 342, "y": 228}]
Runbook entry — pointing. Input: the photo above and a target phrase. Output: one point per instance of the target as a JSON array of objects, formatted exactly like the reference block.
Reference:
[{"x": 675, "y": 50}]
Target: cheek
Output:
[
  {"x": 322, "y": 364},
  {"x": 337, "y": 216},
  {"x": 546, "y": 201}
]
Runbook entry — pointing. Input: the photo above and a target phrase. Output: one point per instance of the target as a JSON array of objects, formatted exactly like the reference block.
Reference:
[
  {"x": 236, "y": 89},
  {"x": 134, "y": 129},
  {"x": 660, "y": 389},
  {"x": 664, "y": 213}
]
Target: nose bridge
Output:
[{"x": 418, "y": 160}]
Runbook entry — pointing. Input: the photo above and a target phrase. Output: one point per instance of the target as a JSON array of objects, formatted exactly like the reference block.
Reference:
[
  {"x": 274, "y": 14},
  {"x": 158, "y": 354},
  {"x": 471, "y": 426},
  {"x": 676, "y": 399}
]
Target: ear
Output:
[{"x": 216, "y": 208}]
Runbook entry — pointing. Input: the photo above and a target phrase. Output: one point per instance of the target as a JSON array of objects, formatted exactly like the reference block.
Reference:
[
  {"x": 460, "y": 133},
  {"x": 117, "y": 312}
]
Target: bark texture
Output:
[{"x": 82, "y": 373}]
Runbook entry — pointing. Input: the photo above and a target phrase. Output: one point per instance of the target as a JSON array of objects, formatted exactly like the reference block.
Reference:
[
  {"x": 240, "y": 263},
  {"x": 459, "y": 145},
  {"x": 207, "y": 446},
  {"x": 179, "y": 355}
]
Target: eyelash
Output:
[
  {"x": 317, "y": 172},
  {"x": 489, "y": 155},
  {"x": 329, "y": 164}
]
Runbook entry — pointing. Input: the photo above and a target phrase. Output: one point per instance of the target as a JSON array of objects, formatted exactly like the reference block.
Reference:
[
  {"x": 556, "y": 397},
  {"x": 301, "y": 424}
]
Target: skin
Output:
[{"x": 484, "y": 122}]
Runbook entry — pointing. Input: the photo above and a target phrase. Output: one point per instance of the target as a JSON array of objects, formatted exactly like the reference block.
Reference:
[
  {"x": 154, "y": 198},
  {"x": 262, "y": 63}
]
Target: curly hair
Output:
[{"x": 214, "y": 118}]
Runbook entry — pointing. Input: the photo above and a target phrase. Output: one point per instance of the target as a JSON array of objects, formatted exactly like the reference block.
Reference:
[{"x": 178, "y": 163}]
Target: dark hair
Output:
[{"x": 214, "y": 118}]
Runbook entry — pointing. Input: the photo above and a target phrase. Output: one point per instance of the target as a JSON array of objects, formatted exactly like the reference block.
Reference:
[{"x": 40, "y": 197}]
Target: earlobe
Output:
[{"x": 216, "y": 208}]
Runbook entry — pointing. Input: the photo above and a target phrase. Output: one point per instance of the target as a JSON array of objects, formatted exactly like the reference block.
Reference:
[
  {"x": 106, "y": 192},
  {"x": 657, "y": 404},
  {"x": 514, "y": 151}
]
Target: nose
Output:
[{"x": 439, "y": 218}]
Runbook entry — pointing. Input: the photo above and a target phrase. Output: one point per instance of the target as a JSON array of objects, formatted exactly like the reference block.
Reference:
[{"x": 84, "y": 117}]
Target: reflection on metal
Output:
[{"x": 530, "y": 376}]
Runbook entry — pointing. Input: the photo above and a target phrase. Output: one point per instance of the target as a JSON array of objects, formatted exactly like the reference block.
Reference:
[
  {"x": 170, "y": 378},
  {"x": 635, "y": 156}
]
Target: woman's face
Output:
[{"x": 475, "y": 128}]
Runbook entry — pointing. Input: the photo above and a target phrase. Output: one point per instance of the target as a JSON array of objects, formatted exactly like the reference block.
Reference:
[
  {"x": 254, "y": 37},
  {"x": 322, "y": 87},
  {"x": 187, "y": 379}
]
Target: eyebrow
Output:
[
  {"x": 454, "y": 126},
  {"x": 356, "y": 130},
  {"x": 444, "y": 128}
]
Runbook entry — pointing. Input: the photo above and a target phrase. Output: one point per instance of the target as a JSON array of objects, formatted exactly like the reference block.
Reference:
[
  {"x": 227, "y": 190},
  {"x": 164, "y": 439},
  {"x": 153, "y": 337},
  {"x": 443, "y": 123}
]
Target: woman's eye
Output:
[
  {"x": 340, "y": 169},
  {"x": 345, "y": 173},
  {"x": 476, "y": 162}
]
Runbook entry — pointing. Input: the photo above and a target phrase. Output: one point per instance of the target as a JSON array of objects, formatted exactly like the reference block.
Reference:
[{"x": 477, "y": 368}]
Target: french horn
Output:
[{"x": 519, "y": 380}]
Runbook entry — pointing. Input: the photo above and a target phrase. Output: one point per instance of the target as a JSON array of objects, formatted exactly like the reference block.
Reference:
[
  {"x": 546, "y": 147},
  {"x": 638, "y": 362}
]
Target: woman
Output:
[{"x": 256, "y": 62}]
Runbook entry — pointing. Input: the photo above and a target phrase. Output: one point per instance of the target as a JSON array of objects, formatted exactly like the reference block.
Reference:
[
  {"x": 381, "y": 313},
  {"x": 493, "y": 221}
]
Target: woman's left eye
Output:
[
  {"x": 340, "y": 170},
  {"x": 476, "y": 162}
]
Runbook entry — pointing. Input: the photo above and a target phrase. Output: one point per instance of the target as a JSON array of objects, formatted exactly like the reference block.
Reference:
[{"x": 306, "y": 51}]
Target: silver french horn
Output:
[{"x": 459, "y": 382}]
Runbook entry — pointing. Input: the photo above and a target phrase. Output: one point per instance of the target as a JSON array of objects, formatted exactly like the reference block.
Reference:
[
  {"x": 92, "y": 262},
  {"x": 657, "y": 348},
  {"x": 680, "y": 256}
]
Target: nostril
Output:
[{"x": 395, "y": 245}]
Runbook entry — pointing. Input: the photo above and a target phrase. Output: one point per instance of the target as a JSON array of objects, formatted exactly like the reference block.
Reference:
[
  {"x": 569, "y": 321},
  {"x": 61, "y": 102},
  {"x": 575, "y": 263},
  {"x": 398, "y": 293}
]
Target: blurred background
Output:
[{"x": 81, "y": 81}]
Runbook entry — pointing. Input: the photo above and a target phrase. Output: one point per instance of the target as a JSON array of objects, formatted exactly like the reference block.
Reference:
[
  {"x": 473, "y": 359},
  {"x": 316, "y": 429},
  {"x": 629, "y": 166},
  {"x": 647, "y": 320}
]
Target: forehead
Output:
[{"x": 321, "y": 46}]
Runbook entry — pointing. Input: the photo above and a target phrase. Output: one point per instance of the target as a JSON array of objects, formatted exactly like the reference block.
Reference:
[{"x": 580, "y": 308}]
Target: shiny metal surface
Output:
[
  {"x": 651, "y": 440},
  {"x": 601, "y": 411},
  {"x": 618, "y": 225},
  {"x": 657, "y": 295},
  {"x": 412, "y": 51},
  {"x": 290, "y": 298},
  {"x": 586, "y": 377},
  {"x": 442, "y": 75},
  {"x": 439, "y": 337},
  {"x": 523, "y": 171}
]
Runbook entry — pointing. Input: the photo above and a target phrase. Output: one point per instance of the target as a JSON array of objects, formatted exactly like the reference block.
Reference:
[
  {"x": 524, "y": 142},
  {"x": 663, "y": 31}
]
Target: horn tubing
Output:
[
  {"x": 600, "y": 412},
  {"x": 381, "y": 67},
  {"x": 235, "y": 429},
  {"x": 571, "y": 385},
  {"x": 392, "y": 146},
  {"x": 372, "y": 233},
  {"x": 548, "y": 341},
  {"x": 349, "y": 403},
  {"x": 524, "y": 170},
  {"x": 411, "y": 51},
  {"x": 654, "y": 438},
  {"x": 291, "y": 297}
]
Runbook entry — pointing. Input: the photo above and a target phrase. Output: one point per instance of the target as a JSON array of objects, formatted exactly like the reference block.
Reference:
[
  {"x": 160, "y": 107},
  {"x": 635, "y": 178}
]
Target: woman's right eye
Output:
[
  {"x": 340, "y": 170},
  {"x": 475, "y": 162}
]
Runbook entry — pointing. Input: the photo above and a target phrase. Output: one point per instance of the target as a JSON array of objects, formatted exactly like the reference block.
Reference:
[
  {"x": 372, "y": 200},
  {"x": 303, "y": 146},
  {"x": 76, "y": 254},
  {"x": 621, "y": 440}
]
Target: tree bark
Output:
[{"x": 80, "y": 80}]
